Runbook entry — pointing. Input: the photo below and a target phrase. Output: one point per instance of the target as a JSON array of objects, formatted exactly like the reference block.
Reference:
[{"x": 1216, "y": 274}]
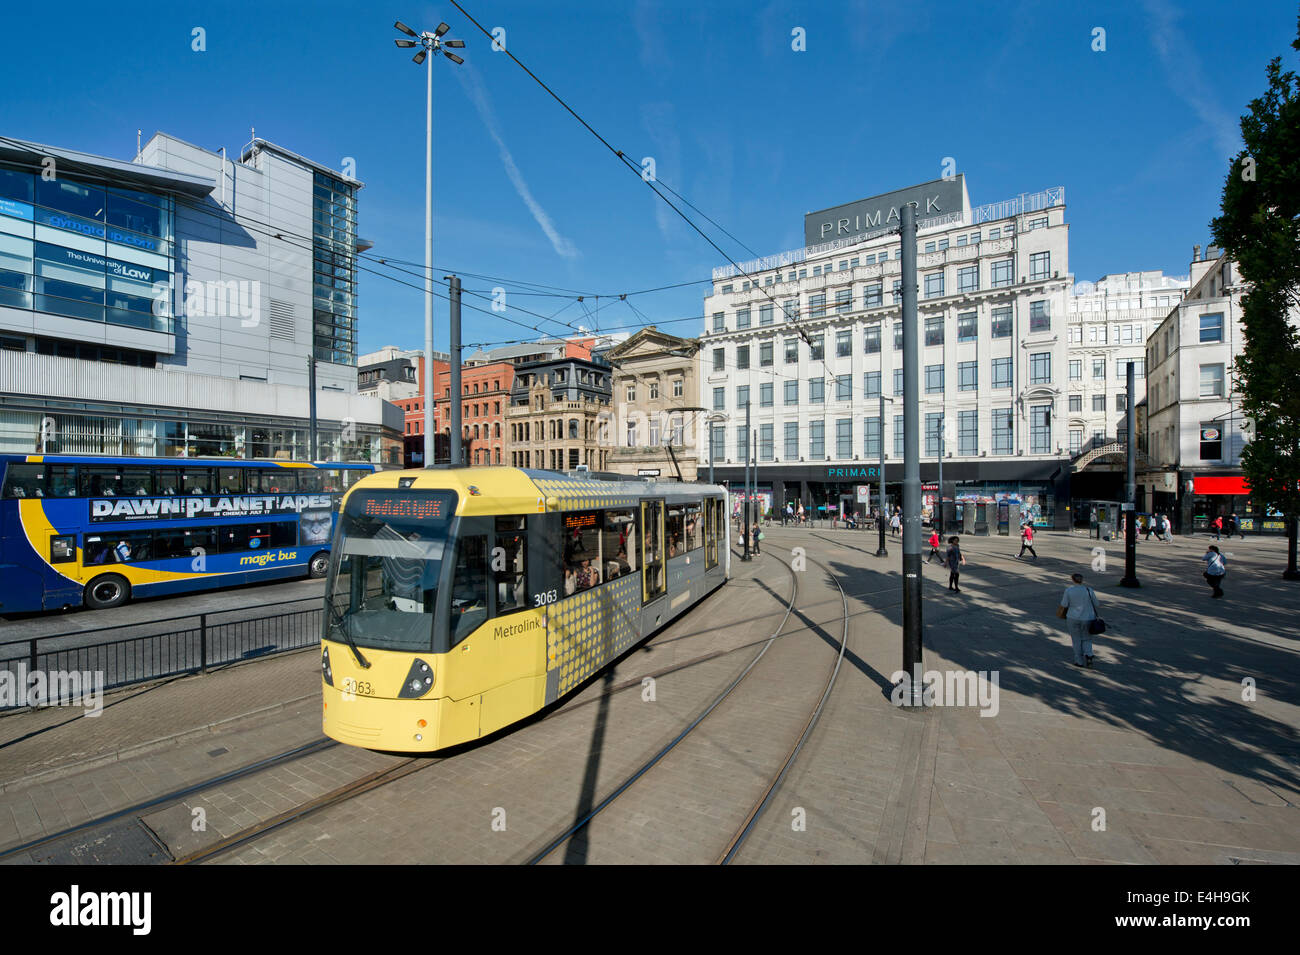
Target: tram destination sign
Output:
[
  {"x": 883, "y": 212},
  {"x": 126, "y": 509}
]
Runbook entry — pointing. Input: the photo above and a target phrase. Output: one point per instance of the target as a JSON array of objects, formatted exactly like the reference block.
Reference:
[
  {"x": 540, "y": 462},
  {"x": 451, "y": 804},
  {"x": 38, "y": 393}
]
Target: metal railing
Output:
[{"x": 203, "y": 641}]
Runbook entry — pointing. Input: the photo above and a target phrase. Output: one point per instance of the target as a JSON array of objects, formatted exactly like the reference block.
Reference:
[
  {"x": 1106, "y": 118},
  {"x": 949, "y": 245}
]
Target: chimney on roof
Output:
[{"x": 1196, "y": 253}]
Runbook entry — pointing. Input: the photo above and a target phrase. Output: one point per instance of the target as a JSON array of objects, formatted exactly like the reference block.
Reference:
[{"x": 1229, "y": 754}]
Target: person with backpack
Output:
[
  {"x": 1215, "y": 568},
  {"x": 1078, "y": 607},
  {"x": 1027, "y": 541},
  {"x": 934, "y": 548},
  {"x": 955, "y": 561}
]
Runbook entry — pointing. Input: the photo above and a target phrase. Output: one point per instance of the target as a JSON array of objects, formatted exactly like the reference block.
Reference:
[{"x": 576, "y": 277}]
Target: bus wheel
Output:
[
  {"x": 107, "y": 591},
  {"x": 320, "y": 565}
]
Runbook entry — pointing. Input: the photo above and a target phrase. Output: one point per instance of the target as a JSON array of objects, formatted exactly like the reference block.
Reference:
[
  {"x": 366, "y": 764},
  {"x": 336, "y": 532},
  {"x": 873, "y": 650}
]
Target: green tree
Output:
[{"x": 1260, "y": 230}]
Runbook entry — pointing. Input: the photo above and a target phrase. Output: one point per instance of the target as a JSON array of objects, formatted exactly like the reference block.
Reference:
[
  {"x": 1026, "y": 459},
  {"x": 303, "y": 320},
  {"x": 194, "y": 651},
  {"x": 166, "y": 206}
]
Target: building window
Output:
[
  {"x": 1211, "y": 441},
  {"x": 632, "y": 439},
  {"x": 719, "y": 359},
  {"x": 1040, "y": 265},
  {"x": 1076, "y": 369},
  {"x": 1038, "y": 317},
  {"x": 844, "y": 344},
  {"x": 934, "y": 330},
  {"x": 898, "y": 381},
  {"x": 817, "y": 305},
  {"x": 1003, "y": 430},
  {"x": 967, "y": 327},
  {"x": 933, "y": 379},
  {"x": 871, "y": 340},
  {"x": 719, "y": 399},
  {"x": 898, "y": 435},
  {"x": 844, "y": 438},
  {"x": 843, "y": 387},
  {"x": 898, "y": 335},
  {"x": 1121, "y": 402},
  {"x": 1040, "y": 368},
  {"x": 1076, "y": 440},
  {"x": 631, "y": 392},
  {"x": 871, "y": 296},
  {"x": 791, "y": 440},
  {"x": 871, "y": 384},
  {"x": 1139, "y": 368},
  {"x": 719, "y": 321},
  {"x": 765, "y": 392},
  {"x": 1038, "y": 223},
  {"x": 765, "y": 315},
  {"x": 816, "y": 440},
  {"x": 1211, "y": 381},
  {"x": 934, "y": 285},
  {"x": 792, "y": 392},
  {"x": 654, "y": 390},
  {"x": 791, "y": 350},
  {"x": 1076, "y": 404},
  {"x": 742, "y": 396},
  {"x": 742, "y": 318},
  {"x": 791, "y": 307},
  {"x": 1099, "y": 369},
  {"x": 817, "y": 350},
  {"x": 1001, "y": 372},
  {"x": 742, "y": 356},
  {"x": 933, "y": 433},
  {"x": 1040, "y": 429},
  {"x": 743, "y": 439},
  {"x": 967, "y": 376},
  {"x": 968, "y": 278},
  {"x": 1212, "y": 327},
  {"x": 1001, "y": 323},
  {"x": 765, "y": 354},
  {"x": 766, "y": 452},
  {"x": 816, "y": 391},
  {"x": 677, "y": 389},
  {"x": 1001, "y": 273},
  {"x": 843, "y": 300},
  {"x": 968, "y": 433},
  {"x": 929, "y": 247},
  {"x": 898, "y": 291},
  {"x": 870, "y": 438},
  {"x": 1098, "y": 402}
]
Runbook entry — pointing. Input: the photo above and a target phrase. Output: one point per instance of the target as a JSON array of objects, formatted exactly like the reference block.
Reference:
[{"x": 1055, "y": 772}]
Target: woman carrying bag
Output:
[{"x": 1078, "y": 608}]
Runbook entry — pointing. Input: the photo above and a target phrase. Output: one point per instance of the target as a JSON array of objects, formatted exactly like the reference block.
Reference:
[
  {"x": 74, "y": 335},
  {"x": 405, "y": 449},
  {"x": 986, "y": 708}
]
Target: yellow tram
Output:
[{"x": 462, "y": 600}]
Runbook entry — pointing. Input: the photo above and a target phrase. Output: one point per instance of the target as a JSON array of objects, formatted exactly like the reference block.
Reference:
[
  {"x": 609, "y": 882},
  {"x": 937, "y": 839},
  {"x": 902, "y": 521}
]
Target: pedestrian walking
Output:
[
  {"x": 1215, "y": 568},
  {"x": 1234, "y": 527},
  {"x": 1217, "y": 526},
  {"x": 1150, "y": 521},
  {"x": 1163, "y": 532},
  {"x": 1027, "y": 541},
  {"x": 789, "y": 513},
  {"x": 895, "y": 524},
  {"x": 754, "y": 537},
  {"x": 955, "y": 561},
  {"x": 1078, "y": 607},
  {"x": 801, "y": 512},
  {"x": 934, "y": 548}
]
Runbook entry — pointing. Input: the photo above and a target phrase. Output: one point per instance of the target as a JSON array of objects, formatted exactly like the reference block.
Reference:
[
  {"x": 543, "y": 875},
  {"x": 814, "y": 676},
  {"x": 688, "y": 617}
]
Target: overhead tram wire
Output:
[{"x": 632, "y": 167}]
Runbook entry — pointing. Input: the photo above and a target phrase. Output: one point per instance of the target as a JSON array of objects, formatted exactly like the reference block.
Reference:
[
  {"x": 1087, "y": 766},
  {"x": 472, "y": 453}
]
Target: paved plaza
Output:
[{"x": 1180, "y": 746}]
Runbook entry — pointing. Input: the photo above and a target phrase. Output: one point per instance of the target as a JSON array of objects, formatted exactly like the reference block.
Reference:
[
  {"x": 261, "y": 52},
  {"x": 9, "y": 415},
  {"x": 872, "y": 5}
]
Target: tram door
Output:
[
  {"x": 652, "y": 550},
  {"x": 710, "y": 533}
]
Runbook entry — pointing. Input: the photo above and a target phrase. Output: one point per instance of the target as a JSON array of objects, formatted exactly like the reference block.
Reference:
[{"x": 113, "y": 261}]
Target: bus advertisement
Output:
[{"x": 81, "y": 529}]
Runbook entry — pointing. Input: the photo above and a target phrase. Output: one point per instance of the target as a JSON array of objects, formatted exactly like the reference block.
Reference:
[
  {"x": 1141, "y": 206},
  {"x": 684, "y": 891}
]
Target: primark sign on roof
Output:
[{"x": 882, "y": 213}]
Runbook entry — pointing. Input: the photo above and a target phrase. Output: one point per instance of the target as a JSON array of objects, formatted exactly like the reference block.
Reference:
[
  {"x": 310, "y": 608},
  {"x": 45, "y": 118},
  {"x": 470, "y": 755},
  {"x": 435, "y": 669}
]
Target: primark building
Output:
[
  {"x": 993, "y": 289},
  {"x": 174, "y": 305}
]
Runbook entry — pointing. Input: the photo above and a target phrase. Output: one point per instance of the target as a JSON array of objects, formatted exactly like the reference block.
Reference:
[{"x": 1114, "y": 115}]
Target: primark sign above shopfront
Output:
[{"x": 880, "y": 214}]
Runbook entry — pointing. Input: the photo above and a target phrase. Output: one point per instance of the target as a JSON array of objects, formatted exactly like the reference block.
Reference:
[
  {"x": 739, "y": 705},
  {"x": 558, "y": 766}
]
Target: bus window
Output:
[
  {"x": 280, "y": 481},
  {"x": 333, "y": 481},
  {"x": 196, "y": 480},
  {"x": 310, "y": 480},
  {"x": 469, "y": 588},
  {"x": 168, "y": 482},
  {"x": 230, "y": 480},
  {"x": 183, "y": 542},
  {"x": 124, "y": 547},
  {"x": 99, "y": 481},
  {"x": 351, "y": 476},
  {"x": 137, "y": 482},
  {"x": 61, "y": 480},
  {"x": 25, "y": 480}
]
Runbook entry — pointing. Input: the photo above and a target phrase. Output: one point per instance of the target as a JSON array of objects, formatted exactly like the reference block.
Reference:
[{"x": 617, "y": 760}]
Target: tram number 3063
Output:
[
  {"x": 353, "y": 688},
  {"x": 546, "y": 597}
]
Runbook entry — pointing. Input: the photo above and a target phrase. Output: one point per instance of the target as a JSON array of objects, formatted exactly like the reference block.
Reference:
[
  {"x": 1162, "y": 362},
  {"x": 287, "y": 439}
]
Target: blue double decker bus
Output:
[{"x": 80, "y": 529}]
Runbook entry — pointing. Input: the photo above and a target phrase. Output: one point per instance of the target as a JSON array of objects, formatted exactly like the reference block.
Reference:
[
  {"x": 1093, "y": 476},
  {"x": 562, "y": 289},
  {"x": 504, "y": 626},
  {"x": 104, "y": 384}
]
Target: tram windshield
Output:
[{"x": 383, "y": 584}]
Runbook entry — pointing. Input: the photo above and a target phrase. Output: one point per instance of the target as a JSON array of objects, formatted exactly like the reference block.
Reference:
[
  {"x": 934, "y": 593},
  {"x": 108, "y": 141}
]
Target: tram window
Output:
[
  {"x": 99, "y": 482},
  {"x": 582, "y": 568},
  {"x": 310, "y": 480},
  {"x": 469, "y": 587},
  {"x": 676, "y": 530},
  {"x": 509, "y": 565},
  {"x": 167, "y": 481},
  {"x": 25, "y": 480},
  {"x": 182, "y": 542},
  {"x": 652, "y": 549},
  {"x": 230, "y": 480},
  {"x": 126, "y": 547},
  {"x": 137, "y": 482},
  {"x": 61, "y": 480},
  {"x": 694, "y": 528},
  {"x": 618, "y": 543},
  {"x": 196, "y": 480}
]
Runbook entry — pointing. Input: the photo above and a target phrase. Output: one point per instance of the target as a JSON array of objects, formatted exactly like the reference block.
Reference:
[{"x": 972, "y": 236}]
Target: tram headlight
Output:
[
  {"x": 418, "y": 682},
  {"x": 326, "y": 673}
]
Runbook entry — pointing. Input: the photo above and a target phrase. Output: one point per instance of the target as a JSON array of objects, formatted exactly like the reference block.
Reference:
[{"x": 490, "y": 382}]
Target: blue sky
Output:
[{"x": 751, "y": 131}]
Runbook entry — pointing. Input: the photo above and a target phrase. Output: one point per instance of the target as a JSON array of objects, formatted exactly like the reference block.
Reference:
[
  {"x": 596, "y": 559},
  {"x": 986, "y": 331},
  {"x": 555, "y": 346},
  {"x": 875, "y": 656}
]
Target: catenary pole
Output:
[
  {"x": 881, "y": 551},
  {"x": 912, "y": 622},
  {"x": 453, "y": 348},
  {"x": 1130, "y": 489}
]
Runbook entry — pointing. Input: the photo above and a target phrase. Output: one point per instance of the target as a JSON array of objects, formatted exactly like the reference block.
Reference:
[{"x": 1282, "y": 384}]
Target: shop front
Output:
[{"x": 1207, "y": 496}]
